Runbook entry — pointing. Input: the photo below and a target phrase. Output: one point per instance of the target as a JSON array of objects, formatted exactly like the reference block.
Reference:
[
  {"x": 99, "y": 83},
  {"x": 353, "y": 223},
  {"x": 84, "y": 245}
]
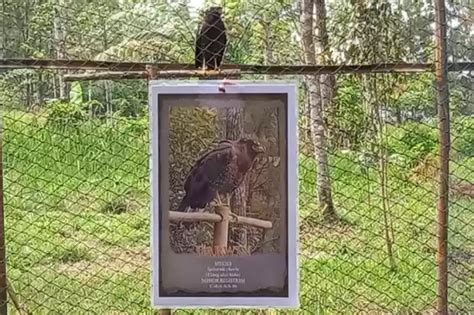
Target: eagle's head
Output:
[
  {"x": 214, "y": 13},
  {"x": 215, "y": 10},
  {"x": 253, "y": 147}
]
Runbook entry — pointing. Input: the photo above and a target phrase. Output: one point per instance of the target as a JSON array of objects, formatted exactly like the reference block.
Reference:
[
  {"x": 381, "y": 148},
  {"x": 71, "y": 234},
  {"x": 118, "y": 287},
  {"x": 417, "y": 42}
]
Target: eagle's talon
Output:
[{"x": 219, "y": 201}]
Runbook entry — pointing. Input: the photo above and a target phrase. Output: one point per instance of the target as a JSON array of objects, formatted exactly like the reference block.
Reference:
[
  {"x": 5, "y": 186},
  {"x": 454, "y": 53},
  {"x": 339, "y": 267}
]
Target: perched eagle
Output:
[
  {"x": 221, "y": 170},
  {"x": 211, "y": 40}
]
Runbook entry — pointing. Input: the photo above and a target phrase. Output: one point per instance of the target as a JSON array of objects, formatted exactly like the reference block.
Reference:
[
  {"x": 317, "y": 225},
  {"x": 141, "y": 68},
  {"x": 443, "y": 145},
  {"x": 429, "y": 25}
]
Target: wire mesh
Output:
[{"x": 75, "y": 153}]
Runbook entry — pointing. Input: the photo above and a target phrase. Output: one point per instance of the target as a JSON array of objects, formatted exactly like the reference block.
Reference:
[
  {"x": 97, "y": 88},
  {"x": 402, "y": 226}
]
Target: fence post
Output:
[
  {"x": 3, "y": 269},
  {"x": 221, "y": 230},
  {"x": 444, "y": 146}
]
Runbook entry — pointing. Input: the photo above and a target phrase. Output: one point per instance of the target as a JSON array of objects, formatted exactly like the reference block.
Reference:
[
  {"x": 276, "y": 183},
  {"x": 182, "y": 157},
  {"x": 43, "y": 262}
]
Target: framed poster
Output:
[{"x": 224, "y": 193}]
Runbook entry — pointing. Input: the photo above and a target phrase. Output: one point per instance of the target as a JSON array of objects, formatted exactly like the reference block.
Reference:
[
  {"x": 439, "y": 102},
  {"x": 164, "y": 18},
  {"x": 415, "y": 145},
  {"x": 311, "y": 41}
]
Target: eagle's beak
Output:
[{"x": 259, "y": 148}]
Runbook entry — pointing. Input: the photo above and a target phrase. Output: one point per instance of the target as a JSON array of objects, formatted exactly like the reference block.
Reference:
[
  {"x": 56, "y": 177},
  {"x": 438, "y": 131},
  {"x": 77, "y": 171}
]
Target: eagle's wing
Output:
[
  {"x": 210, "y": 165},
  {"x": 222, "y": 41},
  {"x": 198, "y": 53}
]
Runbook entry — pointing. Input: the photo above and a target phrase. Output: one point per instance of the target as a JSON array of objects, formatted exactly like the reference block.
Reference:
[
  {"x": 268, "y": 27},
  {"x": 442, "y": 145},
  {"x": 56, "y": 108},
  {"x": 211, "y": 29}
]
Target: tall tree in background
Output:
[
  {"x": 321, "y": 90},
  {"x": 3, "y": 35},
  {"x": 377, "y": 24},
  {"x": 327, "y": 84},
  {"x": 60, "y": 44}
]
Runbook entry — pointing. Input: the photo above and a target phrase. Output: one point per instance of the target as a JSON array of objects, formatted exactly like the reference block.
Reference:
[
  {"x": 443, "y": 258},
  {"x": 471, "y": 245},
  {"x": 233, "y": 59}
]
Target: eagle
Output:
[
  {"x": 211, "y": 40},
  {"x": 220, "y": 170}
]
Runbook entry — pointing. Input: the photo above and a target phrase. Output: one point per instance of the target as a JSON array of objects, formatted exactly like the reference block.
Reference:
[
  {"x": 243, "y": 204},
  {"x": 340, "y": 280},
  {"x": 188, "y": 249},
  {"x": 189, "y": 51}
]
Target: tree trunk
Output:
[
  {"x": 55, "y": 88},
  {"x": 398, "y": 114},
  {"x": 268, "y": 53},
  {"x": 28, "y": 99},
  {"x": 40, "y": 90},
  {"x": 318, "y": 130},
  {"x": 60, "y": 45},
  {"x": 307, "y": 31},
  {"x": 238, "y": 202},
  {"x": 3, "y": 50},
  {"x": 109, "y": 111},
  {"x": 321, "y": 90},
  {"x": 327, "y": 84},
  {"x": 306, "y": 9},
  {"x": 306, "y": 111}
]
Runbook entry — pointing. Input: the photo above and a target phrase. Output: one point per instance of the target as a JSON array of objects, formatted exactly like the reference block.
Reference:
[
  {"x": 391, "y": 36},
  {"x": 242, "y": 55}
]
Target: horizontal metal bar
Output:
[{"x": 76, "y": 64}]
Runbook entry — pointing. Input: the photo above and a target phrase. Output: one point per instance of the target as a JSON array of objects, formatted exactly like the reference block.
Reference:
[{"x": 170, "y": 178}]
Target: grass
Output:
[{"x": 77, "y": 227}]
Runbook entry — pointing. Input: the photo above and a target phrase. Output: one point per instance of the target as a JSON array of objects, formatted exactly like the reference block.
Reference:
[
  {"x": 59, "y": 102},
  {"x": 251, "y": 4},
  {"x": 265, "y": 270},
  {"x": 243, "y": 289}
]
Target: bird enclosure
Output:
[{"x": 385, "y": 157}]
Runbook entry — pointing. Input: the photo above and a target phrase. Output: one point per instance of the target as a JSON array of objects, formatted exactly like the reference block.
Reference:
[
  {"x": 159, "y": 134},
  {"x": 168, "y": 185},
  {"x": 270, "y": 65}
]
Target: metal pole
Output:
[
  {"x": 3, "y": 270},
  {"x": 221, "y": 231},
  {"x": 444, "y": 147}
]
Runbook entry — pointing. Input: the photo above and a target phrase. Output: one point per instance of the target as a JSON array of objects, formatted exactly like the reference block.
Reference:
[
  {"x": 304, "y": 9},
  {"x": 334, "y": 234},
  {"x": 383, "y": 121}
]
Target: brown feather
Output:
[{"x": 221, "y": 169}]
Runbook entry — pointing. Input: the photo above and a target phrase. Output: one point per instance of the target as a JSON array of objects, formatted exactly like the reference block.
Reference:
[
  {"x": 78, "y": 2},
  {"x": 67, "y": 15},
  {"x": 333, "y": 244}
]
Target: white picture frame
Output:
[{"x": 160, "y": 88}]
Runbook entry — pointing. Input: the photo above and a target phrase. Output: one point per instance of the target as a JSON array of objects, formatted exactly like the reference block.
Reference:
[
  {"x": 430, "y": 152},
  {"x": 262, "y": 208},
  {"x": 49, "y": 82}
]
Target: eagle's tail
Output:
[{"x": 183, "y": 204}]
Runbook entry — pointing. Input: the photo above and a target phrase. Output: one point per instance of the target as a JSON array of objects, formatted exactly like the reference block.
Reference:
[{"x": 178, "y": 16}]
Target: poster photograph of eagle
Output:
[
  {"x": 223, "y": 182},
  {"x": 227, "y": 157}
]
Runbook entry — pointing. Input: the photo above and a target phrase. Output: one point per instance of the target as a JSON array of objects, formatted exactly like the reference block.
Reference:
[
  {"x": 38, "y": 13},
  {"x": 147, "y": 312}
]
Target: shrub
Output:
[
  {"x": 62, "y": 114},
  {"x": 463, "y": 137},
  {"x": 413, "y": 141}
]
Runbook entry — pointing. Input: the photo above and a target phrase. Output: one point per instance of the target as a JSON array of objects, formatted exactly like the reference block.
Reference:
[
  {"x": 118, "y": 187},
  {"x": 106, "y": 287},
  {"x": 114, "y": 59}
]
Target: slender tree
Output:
[
  {"x": 320, "y": 89},
  {"x": 60, "y": 44}
]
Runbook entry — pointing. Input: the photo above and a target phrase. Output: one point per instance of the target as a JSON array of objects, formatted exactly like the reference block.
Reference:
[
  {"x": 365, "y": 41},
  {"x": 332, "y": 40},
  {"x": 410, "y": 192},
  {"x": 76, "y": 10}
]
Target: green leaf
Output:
[{"x": 76, "y": 94}]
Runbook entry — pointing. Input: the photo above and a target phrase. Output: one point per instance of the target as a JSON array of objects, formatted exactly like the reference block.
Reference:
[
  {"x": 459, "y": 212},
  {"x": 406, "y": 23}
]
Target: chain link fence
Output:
[{"x": 73, "y": 92}]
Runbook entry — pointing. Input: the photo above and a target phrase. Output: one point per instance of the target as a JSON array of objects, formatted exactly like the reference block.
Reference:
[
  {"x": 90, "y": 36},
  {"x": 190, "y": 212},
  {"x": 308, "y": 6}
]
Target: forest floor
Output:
[{"x": 77, "y": 227}]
